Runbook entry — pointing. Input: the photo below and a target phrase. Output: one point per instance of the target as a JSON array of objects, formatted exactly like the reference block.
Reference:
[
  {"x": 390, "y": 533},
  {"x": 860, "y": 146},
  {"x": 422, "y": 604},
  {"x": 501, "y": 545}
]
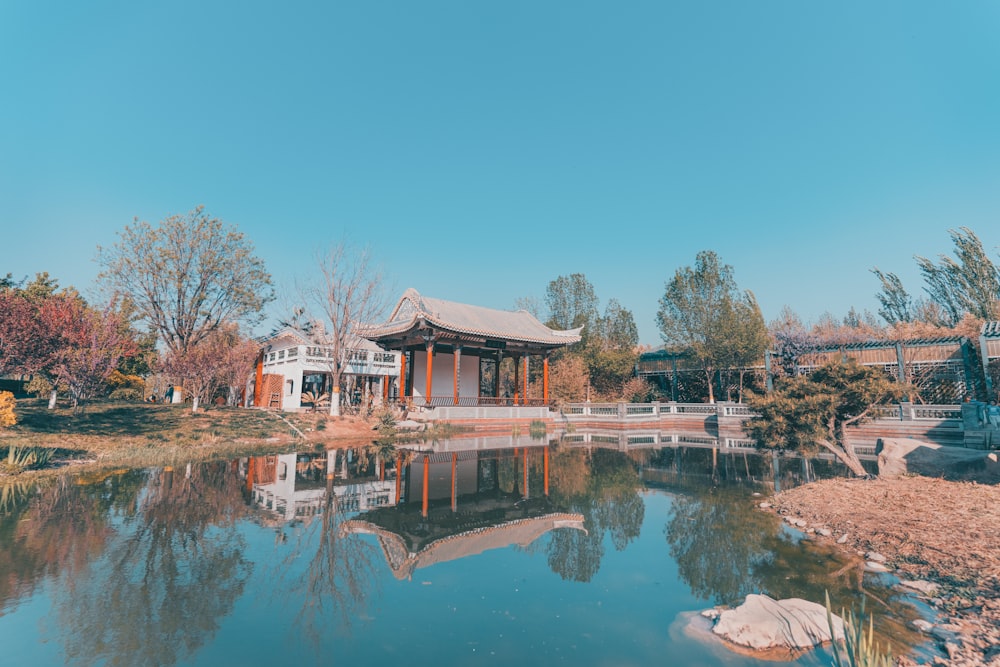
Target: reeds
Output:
[{"x": 859, "y": 647}]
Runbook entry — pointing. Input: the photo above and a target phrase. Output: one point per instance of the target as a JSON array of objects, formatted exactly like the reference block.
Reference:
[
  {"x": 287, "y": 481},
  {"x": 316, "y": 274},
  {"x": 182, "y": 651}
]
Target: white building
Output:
[{"x": 291, "y": 368}]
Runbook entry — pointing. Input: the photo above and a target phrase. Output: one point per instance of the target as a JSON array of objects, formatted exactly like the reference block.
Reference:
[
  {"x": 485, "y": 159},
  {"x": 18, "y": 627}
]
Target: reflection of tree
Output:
[
  {"x": 177, "y": 567},
  {"x": 57, "y": 529},
  {"x": 602, "y": 485},
  {"x": 719, "y": 542},
  {"x": 725, "y": 548},
  {"x": 341, "y": 573}
]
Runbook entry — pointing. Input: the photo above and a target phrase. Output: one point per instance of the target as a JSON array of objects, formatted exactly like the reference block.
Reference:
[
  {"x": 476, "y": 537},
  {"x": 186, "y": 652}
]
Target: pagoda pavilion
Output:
[{"x": 451, "y": 352}]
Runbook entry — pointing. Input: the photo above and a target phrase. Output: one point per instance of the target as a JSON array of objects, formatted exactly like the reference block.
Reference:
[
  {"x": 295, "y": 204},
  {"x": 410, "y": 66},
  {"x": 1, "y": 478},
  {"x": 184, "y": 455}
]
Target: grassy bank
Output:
[{"x": 130, "y": 435}]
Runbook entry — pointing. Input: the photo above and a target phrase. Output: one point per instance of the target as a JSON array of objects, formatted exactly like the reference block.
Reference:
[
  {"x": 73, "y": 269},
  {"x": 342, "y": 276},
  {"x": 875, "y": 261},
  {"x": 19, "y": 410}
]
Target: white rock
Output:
[
  {"x": 923, "y": 626},
  {"x": 765, "y": 506},
  {"x": 873, "y": 566},
  {"x": 763, "y": 623},
  {"x": 875, "y": 556},
  {"x": 825, "y": 532},
  {"x": 926, "y": 587},
  {"x": 842, "y": 539}
]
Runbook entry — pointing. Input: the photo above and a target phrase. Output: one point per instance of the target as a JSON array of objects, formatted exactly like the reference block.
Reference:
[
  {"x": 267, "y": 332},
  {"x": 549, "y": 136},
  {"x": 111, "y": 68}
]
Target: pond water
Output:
[{"x": 500, "y": 550}]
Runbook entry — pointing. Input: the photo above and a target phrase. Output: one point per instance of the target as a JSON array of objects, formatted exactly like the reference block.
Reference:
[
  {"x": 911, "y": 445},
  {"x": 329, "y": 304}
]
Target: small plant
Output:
[
  {"x": 537, "y": 429},
  {"x": 860, "y": 649},
  {"x": 315, "y": 399},
  {"x": 385, "y": 422},
  {"x": 19, "y": 459}
]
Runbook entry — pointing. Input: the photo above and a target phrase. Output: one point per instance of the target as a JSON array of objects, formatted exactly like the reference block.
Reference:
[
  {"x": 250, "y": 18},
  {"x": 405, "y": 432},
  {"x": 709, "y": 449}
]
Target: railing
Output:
[{"x": 468, "y": 401}]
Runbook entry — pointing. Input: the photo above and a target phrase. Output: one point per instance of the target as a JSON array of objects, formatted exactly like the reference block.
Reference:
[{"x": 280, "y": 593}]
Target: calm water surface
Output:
[{"x": 498, "y": 550}]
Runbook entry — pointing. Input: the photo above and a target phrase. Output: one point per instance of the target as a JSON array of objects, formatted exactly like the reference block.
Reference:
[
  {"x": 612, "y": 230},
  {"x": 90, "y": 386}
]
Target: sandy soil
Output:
[{"x": 945, "y": 531}]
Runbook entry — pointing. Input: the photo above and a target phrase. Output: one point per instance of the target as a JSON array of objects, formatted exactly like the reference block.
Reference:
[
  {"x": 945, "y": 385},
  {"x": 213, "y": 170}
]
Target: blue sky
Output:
[{"x": 482, "y": 149}]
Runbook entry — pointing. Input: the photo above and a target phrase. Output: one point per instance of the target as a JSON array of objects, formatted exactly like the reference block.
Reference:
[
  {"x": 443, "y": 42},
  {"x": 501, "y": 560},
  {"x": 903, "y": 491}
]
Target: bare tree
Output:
[
  {"x": 187, "y": 276},
  {"x": 347, "y": 293}
]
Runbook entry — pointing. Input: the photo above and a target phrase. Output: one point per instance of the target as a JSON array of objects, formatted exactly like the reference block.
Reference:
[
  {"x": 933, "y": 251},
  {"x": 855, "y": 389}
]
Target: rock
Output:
[
  {"x": 712, "y": 613},
  {"x": 765, "y": 506},
  {"x": 875, "y": 556},
  {"x": 905, "y": 456},
  {"x": 926, "y": 587},
  {"x": 842, "y": 539},
  {"x": 923, "y": 626},
  {"x": 762, "y": 623},
  {"x": 873, "y": 566},
  {"x": 825, "y": 532}
]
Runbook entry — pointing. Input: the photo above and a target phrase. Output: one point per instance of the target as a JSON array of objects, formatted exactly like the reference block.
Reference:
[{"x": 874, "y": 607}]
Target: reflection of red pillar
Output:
[
  {"x": 427, "y": 474},
  {"x": 525, "y": 472},
  {"x": 399, "y": 475},
  {"x": 546, "y": 470},
  {"x": 251, "y": 466},
  {"x": 454, "y": 486}
]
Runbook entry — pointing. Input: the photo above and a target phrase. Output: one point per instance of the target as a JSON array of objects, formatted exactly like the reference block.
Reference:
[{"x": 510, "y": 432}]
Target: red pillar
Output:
[
  {"x": 430, "y": 376},
  {"x": 524, "y": 399},
  {"x": 402, "y": 376},
  {"x": 258, "y": 388},
  {"x": 545, "y": 380},
  {"x": 517, "y": 380},
  {"x": 458, "y": 362}
]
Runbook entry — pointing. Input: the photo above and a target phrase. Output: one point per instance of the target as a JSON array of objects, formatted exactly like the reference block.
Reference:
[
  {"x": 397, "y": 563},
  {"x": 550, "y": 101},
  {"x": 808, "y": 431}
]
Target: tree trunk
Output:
[
  {"x": 194, "y": 403},
  {"x": 335, "y": 401},
  {"x": 847, "y": 456},
  {"x": 52, "y": 399}
]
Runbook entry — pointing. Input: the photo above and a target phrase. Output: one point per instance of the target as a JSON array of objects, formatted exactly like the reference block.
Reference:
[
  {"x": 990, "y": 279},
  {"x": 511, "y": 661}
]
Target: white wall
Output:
[{"x": 443, "y": 368}]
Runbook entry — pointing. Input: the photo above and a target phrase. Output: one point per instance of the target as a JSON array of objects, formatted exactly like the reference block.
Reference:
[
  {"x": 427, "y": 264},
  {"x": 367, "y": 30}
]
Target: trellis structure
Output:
[{"x": 942, "y": 369}]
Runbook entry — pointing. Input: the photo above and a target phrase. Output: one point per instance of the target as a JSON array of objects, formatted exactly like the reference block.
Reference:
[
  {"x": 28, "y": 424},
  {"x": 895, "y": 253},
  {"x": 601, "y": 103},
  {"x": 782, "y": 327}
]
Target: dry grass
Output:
[{"x": 132, "y": 435}]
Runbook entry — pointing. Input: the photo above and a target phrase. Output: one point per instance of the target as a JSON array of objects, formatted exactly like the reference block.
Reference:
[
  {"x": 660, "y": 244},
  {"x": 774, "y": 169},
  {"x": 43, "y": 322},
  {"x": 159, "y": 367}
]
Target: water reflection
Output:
[{"x": 147, "y": 565}]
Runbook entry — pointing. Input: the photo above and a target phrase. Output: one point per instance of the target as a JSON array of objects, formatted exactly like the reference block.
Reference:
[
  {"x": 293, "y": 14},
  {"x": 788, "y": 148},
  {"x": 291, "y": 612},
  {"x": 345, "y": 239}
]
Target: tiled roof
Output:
[
  {"x": 991, "y": 329},
  {"x": 467, "y": 319}
]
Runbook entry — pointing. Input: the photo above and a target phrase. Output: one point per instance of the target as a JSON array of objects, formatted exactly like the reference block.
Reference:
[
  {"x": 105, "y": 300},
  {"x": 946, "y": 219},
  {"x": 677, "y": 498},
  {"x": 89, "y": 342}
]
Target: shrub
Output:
[
  {"x": 38, "y": 387},
  {"x": 7, "y": 416}
]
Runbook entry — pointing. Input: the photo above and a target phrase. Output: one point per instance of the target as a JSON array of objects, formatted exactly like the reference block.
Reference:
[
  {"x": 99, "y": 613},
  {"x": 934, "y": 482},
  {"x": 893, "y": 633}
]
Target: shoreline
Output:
[{"x": 940, "y": 531}]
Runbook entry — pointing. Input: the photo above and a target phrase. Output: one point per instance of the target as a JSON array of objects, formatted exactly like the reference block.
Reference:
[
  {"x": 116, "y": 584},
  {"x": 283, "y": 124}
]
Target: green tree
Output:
[
  {"x": 967, "y": 283},
  {"x": 572, "y": 302},
  {"x": 897, "y": 304},
  {"x": 187, "y": 276},
  {"x": 813, "y": 412},
  {"x": 701, "y": 312}
]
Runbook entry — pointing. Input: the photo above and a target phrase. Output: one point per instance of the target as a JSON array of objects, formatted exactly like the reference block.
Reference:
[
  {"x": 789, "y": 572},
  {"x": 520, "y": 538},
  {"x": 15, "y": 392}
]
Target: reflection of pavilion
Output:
[
  {"x": 295, "y": 486},
  {"x": 409, "y": 545},
  {"x": 461, "y": 498}
]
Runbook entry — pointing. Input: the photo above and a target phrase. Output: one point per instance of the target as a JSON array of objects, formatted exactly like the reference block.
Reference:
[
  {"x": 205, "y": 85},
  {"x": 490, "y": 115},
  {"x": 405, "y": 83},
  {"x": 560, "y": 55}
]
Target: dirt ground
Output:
[{"x": 945, "y": 531}]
